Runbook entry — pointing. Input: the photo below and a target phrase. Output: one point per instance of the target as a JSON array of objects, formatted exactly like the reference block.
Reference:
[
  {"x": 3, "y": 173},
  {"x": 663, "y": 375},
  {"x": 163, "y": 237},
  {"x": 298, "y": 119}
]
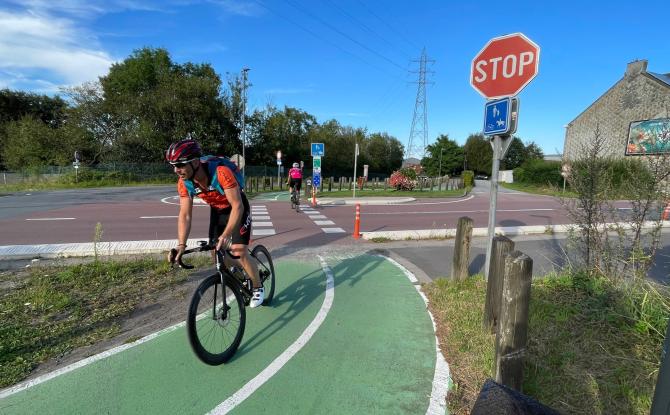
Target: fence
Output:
[{"x": 259, "y": 178}]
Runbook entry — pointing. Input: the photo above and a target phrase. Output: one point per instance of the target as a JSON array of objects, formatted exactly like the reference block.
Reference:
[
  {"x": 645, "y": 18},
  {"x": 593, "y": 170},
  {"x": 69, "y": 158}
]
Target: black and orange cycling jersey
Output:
[{"x": 211, "y": 196}]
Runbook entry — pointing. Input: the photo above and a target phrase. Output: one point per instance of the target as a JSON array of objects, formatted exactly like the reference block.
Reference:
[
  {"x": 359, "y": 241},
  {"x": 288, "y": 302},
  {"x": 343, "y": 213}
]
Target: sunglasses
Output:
[{"x": 181, "y": 164}]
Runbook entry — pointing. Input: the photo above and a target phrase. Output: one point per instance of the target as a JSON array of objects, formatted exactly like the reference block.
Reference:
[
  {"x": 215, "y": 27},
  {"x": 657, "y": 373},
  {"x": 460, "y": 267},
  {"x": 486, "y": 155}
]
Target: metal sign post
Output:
[{"x": 493, "y": 202}]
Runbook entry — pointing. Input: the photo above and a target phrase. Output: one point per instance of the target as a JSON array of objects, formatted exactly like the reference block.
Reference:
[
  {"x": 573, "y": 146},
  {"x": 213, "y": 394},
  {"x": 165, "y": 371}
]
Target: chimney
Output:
[{"x": 636, "y": 67}]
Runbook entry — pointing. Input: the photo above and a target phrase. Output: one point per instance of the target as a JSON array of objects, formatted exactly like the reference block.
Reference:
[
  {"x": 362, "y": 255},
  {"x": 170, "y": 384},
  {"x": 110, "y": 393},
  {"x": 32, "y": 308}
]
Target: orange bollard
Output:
[
  {"x": 357, "y": 222},
  {"x": 313, "y": 196},
  {"x": 666, "y": 213}
]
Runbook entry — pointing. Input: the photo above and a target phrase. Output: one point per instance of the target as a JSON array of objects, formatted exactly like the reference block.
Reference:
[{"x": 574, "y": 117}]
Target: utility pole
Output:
[
  {"x": 440, "y": 173},
  {"x": 244, "y": 116}
]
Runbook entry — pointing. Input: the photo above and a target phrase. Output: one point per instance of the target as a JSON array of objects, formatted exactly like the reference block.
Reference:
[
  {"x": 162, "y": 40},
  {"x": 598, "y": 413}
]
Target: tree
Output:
[
  {"x": 30, "y": 143},
  {"x": 515, "y": 155},
  {"x": 533, "y": 152},
  {"x": 478, "y": 154},
  {"x": 15, "y": 105},
  {"x": 159, "y": 102},
  {"x": 383, "y": 152},
  {"x": 444, "y": 156}
]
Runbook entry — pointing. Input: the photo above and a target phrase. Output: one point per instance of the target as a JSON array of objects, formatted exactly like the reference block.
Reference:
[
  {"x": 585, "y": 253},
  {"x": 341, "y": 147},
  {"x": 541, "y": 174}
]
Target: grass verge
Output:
[
  {"x": 594, "y": 345},
  {"x": 48, "y": 311},
  {"x": 538, "y": 189}
]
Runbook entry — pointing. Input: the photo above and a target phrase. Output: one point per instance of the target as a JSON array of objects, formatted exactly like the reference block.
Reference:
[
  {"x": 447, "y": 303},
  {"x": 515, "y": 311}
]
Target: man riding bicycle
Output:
[
  {"x": 294, "y": 178},
  {"x": 230, "y": 217}
]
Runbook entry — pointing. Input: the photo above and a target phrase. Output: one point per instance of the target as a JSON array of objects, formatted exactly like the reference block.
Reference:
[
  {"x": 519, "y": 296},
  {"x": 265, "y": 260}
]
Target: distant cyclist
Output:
[
  {"x": 230, "y": 218},
  {"x": 294, "y": 178}
]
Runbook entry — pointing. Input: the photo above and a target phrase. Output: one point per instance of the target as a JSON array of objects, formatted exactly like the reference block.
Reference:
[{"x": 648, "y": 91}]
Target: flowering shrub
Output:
[{"x": 401, "y": 182}]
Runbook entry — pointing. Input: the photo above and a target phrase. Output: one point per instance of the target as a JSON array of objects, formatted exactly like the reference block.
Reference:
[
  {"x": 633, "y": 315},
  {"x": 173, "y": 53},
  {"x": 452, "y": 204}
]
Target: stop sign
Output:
[{"x": 504, "y": 66}]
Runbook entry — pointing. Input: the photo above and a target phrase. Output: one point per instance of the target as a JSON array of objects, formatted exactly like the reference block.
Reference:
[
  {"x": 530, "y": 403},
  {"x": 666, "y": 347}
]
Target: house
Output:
[{"x": 638, "y": 96}]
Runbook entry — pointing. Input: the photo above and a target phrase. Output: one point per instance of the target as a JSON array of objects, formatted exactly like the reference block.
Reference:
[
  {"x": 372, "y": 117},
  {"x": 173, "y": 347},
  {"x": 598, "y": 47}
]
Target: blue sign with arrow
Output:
[{"x": 497, "y": 116}]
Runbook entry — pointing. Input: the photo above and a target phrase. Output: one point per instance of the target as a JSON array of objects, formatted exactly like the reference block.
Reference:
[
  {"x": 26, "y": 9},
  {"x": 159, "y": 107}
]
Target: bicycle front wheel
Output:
[
  {"x": 267, "y": 271},
  {"x": 216, "y": 320}
]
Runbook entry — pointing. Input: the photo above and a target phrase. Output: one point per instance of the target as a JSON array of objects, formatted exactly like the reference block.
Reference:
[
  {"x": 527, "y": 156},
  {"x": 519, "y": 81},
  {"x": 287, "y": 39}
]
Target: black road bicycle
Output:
[
  {"x": 217, "y": 315},
  {"x": 295, "y": 200}
]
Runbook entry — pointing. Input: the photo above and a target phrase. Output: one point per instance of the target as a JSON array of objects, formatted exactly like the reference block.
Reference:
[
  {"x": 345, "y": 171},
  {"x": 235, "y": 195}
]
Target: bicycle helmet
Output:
[
  {"x": 183, "y": 151},
  {"x": 296, "y": 165}
]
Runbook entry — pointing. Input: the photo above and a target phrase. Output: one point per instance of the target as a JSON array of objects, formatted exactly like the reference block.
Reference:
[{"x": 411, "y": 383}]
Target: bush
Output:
[
  {"x": 409, "y": 173},
  {"x": 468, "y": 178},
  {"x": 540, "y": 172},
  {"x": 400, "y": 181}
]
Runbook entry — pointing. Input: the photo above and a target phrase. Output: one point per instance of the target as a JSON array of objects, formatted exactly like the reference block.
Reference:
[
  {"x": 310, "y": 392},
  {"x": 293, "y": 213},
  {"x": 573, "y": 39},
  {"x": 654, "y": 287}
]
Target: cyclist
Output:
[
  {"x": 294, "y": 178},
  {"x": 230, "y": 218}
]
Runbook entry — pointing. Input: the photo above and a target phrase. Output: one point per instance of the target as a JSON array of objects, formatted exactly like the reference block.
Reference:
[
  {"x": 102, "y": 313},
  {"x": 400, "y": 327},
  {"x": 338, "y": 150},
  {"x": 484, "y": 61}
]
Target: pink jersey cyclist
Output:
[{"x": 295, "y": 177}]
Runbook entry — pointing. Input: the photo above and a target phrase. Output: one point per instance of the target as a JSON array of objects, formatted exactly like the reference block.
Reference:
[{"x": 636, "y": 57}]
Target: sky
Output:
[{"x": 355, "y": 61}]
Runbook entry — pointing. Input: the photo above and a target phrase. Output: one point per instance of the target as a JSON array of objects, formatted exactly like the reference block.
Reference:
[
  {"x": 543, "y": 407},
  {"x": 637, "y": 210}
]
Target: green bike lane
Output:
[{"x": 372, "y": 350}]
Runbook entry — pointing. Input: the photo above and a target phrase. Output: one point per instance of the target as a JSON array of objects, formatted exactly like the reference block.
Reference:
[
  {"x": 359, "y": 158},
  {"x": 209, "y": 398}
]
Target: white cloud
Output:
[
  {"x": 240, "y": 7},
  {"x": 49, "y": 49}
]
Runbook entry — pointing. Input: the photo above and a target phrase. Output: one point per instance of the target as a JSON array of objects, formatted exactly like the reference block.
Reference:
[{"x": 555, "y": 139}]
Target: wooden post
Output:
[
  {"x": 502, "y": 246},
  {"x": 661, "y": 403},
  {"x": 461, "y": 260},
  {"x": 386, "y": 184},
  {"x": 330, "y": 184},
  {"x": 340, "y": 188},
  {"x": 350, "y": 183},
  {"x": 513, "y": 328}
]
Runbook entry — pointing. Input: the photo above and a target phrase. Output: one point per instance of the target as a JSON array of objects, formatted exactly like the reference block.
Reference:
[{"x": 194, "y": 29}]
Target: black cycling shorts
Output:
[
  {"x": 218, "y": 219},
  {"x": 296, "y": 184}
]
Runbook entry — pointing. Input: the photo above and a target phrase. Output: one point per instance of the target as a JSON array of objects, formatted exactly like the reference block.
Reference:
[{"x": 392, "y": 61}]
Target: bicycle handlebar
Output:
[{"x": 204, "y": 246}]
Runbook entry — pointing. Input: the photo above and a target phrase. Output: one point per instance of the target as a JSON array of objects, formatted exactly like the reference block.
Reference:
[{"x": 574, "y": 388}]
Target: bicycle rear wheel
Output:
[
  {"x": 216, "y": 320},
  {"x": 267, "y": 271}
]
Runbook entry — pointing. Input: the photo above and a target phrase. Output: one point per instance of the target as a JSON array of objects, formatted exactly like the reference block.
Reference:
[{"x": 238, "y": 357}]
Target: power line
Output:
[
  {"x": 388, "y": 25},
  {"x": 363, "y": 25},
  {"x": 333, "y": 28},
  {"x": 323, "y": 39}
]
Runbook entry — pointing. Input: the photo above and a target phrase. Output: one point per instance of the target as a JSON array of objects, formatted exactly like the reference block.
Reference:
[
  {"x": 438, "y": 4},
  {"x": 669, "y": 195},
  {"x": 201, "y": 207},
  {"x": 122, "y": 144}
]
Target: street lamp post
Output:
[
  {"x": 278, "y": 166},
  {"x": 244, "y": 115}
]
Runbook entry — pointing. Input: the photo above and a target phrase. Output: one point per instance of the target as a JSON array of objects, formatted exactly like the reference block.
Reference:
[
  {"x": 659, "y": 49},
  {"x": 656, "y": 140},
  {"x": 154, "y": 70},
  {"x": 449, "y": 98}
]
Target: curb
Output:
[
  {"x": 501, "y": 230},
  {"x": 363, "y": 201}
]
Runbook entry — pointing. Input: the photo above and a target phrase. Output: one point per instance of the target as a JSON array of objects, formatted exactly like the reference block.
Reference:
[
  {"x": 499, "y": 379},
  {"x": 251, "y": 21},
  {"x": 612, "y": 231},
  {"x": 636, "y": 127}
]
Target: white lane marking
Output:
[
  {"x": 41, "y": 379},
  {"x": 259, "y": 232},
  {"x": 441, "y": 378},
  {"x": 260, "y": 217},
  {"x": 262, "y": 224},
  {"x": 457, "y": 211},
  {"x": 245, "y": 391},
  {"x": 313, "y": 217},
  {"x": 310, "y": 212},
  {"x": 324, "y": 222},
  {"x": 433, "y": 203},
  {"x": 52, "y": 219},
  {"x": 158, "y": 217},
  {"x": 333, "y": 230}
]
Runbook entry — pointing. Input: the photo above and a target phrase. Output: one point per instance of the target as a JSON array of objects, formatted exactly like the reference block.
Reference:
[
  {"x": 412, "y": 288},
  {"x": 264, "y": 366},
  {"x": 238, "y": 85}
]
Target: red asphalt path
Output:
[{"x": 122, "y": 221}]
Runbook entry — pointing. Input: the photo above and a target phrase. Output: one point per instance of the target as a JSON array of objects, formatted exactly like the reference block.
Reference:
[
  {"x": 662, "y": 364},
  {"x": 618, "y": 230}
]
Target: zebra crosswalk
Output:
[
  {"x": 320, "y": 220},
  {"x": 261, "y": 225}
]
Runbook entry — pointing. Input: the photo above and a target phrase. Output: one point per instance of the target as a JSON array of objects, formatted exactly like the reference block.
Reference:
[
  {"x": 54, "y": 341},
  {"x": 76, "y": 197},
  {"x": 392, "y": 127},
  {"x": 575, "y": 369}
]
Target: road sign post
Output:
[{"x": 503, "y": 67}]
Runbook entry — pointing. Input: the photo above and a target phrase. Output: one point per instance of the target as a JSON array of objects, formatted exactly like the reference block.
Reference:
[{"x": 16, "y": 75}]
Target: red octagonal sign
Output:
[{"x": 505, "y": 66}]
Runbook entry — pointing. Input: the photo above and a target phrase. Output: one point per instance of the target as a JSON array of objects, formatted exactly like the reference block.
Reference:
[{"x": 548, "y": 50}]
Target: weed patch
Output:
[{"x": 594, "y": 345}]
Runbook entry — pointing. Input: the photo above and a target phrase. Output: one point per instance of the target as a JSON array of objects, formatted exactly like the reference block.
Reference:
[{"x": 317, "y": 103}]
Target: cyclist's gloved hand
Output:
[{"x": 224, "y": 242}]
